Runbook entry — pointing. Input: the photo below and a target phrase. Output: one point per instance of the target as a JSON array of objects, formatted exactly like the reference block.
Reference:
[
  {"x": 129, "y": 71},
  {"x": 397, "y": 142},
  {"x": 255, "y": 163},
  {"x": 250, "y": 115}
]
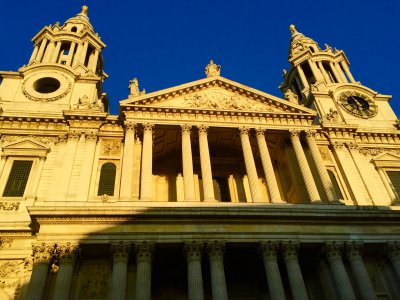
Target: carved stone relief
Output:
[
  {"x": 111, "y": 148},
  {"x": 46, "y": 140},
  {"x": 9, "y": 206},
  {"x": 12, "y": 274}
]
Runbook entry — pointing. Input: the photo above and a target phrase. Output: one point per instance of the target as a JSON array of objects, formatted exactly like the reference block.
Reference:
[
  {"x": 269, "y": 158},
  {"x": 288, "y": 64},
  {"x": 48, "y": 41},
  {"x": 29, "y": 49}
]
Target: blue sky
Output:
[{"x": 166, "y": 43}]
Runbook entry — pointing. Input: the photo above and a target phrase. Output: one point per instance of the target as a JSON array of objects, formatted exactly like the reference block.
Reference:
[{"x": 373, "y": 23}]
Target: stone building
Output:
[{"x": 206, "y": 190}]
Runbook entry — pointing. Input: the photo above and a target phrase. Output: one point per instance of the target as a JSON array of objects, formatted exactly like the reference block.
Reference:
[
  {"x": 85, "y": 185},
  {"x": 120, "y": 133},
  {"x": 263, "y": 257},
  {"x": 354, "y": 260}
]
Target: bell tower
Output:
[
  {"x": 321, "y": 79},
  {"x": 64, "y": 73}
]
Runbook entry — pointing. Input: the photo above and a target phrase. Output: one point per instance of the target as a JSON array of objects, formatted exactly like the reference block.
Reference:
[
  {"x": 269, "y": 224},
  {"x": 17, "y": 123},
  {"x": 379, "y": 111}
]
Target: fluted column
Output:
[
  {"x": 42, "y": 255},
  {"x": 34, "y": 53},
  {"x": 146, "y": 183},
  {"x": 216, "y": 257},
  {"x": 342, "y": 281},
  {"x": 127, "y": 161},
  {"x": 56, "y": 52},
  {"x": 322, "y": 172},
  {"x": 41, "y": 50},
  {"x": 187, "y": 163},
  {"x": 296, "y": 280},
  {"x": 119, "y": 271},
  {"x": 304, "y": 167},
  {"x": 274, "y": 280},
  {"x": 360, "y": 273},
  {"x": 268, "y": 168},
  {"x": 393, "y": 253},
  {"x": 144, "y": 251},
  {"x": 195, "y": 277},
  {"x": 67, "y": 256},
  {"x": 250, "y": 166},
  {"x": 205, "y": 161}
]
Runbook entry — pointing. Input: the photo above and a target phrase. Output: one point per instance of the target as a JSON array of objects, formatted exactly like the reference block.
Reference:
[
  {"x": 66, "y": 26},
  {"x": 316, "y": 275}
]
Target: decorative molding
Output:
[
  {"x": 193, "y": 250},
  {"x": 215, "y": 249},
  {"x": 144, "y": 250},
  {"x": 45, "y": 140},
  {"x": 5, "y": 241},
  {"x": 289, "y": 249},
  {"x": 269, "y": 250},
  {"x": 9, "y": 206},
  {"x": 120, "y": 251}
]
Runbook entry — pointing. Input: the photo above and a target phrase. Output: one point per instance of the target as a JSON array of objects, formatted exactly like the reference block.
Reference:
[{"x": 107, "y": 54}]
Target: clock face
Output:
[{"x": 358, "y": 104}]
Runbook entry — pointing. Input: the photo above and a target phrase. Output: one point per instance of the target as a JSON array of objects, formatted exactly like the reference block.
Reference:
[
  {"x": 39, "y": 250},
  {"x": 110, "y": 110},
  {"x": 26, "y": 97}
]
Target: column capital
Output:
[
  {"x": 91, "y": 135},
  {"x": 42, "y": 253},
  {"x": 352, "y": 145},
  {"x": 129, "y": 125},
  {"x": 202, "y": 129},
  {"x": 67, "y": 252},
  {"x": 215, "y": 249},
  {"x": 148, "y": 126},
  {"x": 193, "y": 250},
  {"x": 244, "y": 131},
  {"x": 144, "y": 250},
  {"x": 186, "y": 128},
  {"x": 392, "y": 250},
  {"x": 74, "y": 135},
  {"x": 333, "y": 249},
  {"x": 290, "y": 249},
  {"x": 337, "y": 145},
  {"x": 353, "y": 249},
  {"x": 294, "y": 132},
  {"x": 269, "y": 249},
  {"x": 260, "y": 132},
  {"x": 120, "y": 251},
  {"x": 310, "y": 134}
]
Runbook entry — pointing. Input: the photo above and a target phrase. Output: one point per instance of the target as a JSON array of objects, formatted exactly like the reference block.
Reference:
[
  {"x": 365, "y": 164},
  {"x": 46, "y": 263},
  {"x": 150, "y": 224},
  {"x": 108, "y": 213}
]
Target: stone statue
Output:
[
  {"x": 134, "y": 88},
  {"x": 212, "y": 69},
  {"x": 292, "y": 97}
]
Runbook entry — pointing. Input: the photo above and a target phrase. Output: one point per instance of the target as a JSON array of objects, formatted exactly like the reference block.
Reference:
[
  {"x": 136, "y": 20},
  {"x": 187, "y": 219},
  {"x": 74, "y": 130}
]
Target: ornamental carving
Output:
[
  {"x": 85, "y": 103},
  {"x": 290, "y": 249},
  {"x": 45, "y": 140},
  {"x": 377, "y": 151},
  {"x": 67, "y": 253},
  {"x": 120, "y": 251},
  {"x": 193, "y": 250},
  {"x": 215, "y": 249},
  {"x": 212, "y": 69},
  {"x": 111, "y": 148},
  {"x": 325, "y": 154},
  {"x": 9, "y": 206},
  {"x": 12, "y": 274},
  {"x": 144, "y": 250},
  {"x": 332, "y": 115},
  {"x": 218, "y": 100},
  {"x": 5, "y": 242},
  {"x": 269, "y": 249}
]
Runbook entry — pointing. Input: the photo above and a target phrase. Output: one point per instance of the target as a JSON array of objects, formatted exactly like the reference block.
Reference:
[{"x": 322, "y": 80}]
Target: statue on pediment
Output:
[
  {"x": 213, "y": 69},
  {"x": 134, "y": 88}
]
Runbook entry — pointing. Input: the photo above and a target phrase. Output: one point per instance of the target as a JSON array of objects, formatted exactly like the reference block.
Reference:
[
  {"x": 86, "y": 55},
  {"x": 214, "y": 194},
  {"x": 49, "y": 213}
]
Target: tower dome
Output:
[
  {"x": 79, "y": 22},
  {"x": 299, "y": 43}
]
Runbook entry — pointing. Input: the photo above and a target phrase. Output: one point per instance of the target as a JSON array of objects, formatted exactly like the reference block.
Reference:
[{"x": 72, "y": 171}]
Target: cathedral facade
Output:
[{"x": 206, "y": 190}]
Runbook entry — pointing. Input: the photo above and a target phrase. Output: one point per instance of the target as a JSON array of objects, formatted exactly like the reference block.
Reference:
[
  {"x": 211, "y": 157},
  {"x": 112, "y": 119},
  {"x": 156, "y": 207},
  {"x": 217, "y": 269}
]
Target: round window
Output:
[{"x": 46, "y": 85}]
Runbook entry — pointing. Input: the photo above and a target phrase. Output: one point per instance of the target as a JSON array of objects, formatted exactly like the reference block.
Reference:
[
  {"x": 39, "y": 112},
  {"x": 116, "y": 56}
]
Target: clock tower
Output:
[
  {"x": 64, "y": 74},
  {"x": 321, "y": 79}
]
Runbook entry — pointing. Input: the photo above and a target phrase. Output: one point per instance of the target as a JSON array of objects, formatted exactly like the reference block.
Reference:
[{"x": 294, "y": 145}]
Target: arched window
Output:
[{"x": 107, "y": 179}]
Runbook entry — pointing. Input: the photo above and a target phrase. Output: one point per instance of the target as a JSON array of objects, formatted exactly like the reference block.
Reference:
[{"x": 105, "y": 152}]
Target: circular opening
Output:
[
  {"x": 46, "y": 85},
  {"x": 74, "y": 29}
]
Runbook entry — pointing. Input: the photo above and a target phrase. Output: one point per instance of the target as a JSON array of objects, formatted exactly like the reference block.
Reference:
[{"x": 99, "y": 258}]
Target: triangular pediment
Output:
[
  {"x": 25, "y": 144},
  {"x": 216, "y": 93},
  {"x": 387, "y": 157},
  {"x": 25, "y": 147}
]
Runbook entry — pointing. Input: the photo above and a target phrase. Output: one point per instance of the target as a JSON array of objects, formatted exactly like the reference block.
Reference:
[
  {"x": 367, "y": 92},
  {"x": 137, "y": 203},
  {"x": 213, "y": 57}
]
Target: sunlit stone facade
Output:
[{"x": 207, "y": 190}]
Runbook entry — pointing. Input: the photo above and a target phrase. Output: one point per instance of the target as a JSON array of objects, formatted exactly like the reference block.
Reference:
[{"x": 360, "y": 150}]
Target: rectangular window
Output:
[
  {"x": 394, "y": 177},
  {"x": 18, "y": 178}
]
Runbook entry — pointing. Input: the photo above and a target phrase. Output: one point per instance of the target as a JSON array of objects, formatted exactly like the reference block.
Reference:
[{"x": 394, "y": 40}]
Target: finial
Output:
[
  {"x": 212, "y": 69},
  {"x": 292, "y": 29},
  {"x": 85, "y": 10}
]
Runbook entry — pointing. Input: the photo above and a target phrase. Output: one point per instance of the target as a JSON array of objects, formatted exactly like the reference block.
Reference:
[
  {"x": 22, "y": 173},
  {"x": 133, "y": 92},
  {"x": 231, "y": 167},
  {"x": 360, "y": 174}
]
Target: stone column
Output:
[
  {"x": 144, "y": 252},
  {"x": 216, "y": 257},
  {"x": 316, "y": 72},
  {"x": 393, "y": 253},
  {"x": 146, "y": 181},
  {"x": 195, "y": 277},
  {"x": 67, "y": 255},
  {"x": 322, "y": 172},
  {"x": 296, "y": 280},
  {"x": 70, "y": 54},
  {"x": 335, "y": 72},
  {"x": 302, "y": 77},
  {"x": 120, "y": 270},
  {"x": 205, "y": 161},
  {"x": 304, "y": 167},
  {"x": 275, "y": 286},
  {"x": 127, "y": 161},
  {"x": 187, "y": 163},
  {"x": 347, "y": 71},
  {"x": 49, "y": 52},
  {"x": 3, "y": 159},
  {"x": 268, "y": 168},
  {"x": 56, "y": 52},
  {"x": 42, "y": 255},
  {"x": 87, "y": 166},
  {"x": 255, "y": 190},
  {"x": 324, "y": 74},
  {"x": 83, "y": 52},
  {"x": 342, "y": 281},
  {"x": 360, "y": 273},
  {"x": 34, "y": 53},
  {"x": 326, "y": 280},
  {"x": 41, "y": 49},
  {"x": 77, "y": 55},
  {"x": 95, "y": 58}
]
